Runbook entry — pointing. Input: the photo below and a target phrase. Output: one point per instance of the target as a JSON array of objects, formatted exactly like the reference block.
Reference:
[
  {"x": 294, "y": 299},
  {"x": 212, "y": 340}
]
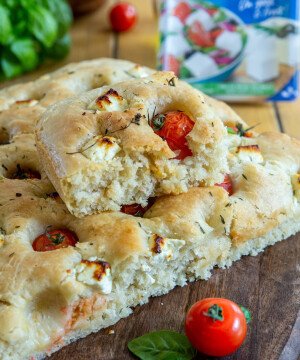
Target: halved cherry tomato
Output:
[
  {"x": 137, "y": 209},
  {"x": 212, "y": 11},
  {"x": 54, "y": 239},
  {"x": 182, "y": 11},
  {"x": 199, "y": 36},
  {"x": 171, "y": 64},
  {"x": 226, "y": 184},
  {"x": 215, "y": 326},
  {"x": 122, "y": 17},
  {"x": 174, "y": 127},
  {"x": 24, "y": 174},
  {"x": 215, "y": 33}
]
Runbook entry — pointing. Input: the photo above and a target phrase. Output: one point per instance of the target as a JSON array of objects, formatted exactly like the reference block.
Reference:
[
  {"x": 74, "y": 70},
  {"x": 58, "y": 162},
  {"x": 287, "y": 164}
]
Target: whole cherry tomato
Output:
[
  {"x": 122, "y": 17},
  {"x": 215, "y": 326},
  {"x": 226, "y": 184},
  {"x": 54, "y": 239},
  {"x": 174, "y": 127}
]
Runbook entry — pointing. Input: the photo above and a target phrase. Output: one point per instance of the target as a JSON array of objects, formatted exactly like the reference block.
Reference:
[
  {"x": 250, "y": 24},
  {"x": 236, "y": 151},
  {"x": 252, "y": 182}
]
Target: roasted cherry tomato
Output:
[
  {"x": 137, "y": 209},
  {"x": 54, "y": 239},
  {"x": 182, "y": 11},
  {"x": 215, "y": 326},
  {"x": 174, "y": 127},
  {"x": 122, "y": 17},
  {"x": 23, "y": 174},
  {"x": 226, "y": 184},
  {"x": 199, "y": 36}
]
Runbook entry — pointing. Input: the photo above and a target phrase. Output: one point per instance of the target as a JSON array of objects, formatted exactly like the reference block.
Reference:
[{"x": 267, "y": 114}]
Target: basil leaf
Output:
[
  {"x": 42, "y": 25},
  {"x": 63, "y": 14},
  {"x": 5, "y": 25},
  {"x": 60, "y": 48},
  {"x": 24, "y": 50},
  {"x": 162, "y": 345},
  {"x": 246, "y": 313},
  {"x": 10, "y": 64}
]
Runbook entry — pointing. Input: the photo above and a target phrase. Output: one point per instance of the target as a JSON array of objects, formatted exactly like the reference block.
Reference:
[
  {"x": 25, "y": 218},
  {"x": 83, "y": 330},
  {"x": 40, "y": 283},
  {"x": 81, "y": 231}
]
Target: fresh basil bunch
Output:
[{"x": 30, "y": 31}]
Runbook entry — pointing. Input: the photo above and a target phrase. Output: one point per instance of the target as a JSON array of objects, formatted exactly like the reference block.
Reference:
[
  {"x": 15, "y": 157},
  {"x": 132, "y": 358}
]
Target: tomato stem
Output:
[{"x": 215, "y": 312}]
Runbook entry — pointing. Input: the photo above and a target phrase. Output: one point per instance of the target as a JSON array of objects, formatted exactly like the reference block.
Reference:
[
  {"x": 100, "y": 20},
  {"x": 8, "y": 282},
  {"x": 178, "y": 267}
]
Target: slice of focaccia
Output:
[
  {"x": 114, "y": 261},
  {"x": 123, "y": 144}
]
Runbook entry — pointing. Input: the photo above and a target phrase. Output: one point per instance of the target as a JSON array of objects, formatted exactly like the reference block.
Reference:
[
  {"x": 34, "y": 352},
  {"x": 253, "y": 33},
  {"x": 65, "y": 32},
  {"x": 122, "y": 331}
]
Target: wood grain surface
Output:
[{"x": 267, "y": 284}]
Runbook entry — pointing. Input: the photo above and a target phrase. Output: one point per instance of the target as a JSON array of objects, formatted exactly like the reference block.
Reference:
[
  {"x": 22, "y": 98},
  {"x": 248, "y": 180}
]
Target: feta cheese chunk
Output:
[
  {"x": 170, "y": 24},
  {"x": 176, "y": 45},
  {"x": 201, "y": 65},
  {"x": 295, "y": 178},
  {"x": 230, "y": 41},
  {"x": 137, "y": 72},
  {"x": 163, "y": 248},
  {"x": 201, "y": 16},
  {"x": 95, "y": 273},
  {"x": 101, "y": 148},
  {"x": 109, "y": 101},
  {"x": 24, "y": 103},
  {"x": 248, "y": 153}
]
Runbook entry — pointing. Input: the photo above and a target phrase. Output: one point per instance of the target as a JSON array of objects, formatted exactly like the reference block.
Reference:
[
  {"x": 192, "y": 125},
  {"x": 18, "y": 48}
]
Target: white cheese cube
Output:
[
  {"x": 230, "y": 41},
  {"x": 163, "y": 248},
  {"x": 24, "y": 103},
  {"x": 101, "y": 148},
  {"x": 288, "y": 50},
  {"x": 95, "y": 273},
  {"x": 137, "y": 71},
  {"x": 263, "y": 67},
  {"x": 248, "y": 153},
  {"x": 176, "y": 45},
  {"x": 260, "y": 42},
  {"x": 170, "y": 24},
  {"x": 201, "y": 66},
  {"x": 295, "y": 178},
  {"x": 201, "y": 16},
  {"x": 109, "y": 101}
]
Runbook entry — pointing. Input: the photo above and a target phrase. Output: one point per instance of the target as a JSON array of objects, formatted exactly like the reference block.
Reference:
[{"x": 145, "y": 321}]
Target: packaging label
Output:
[{"x": 239, "y": 50}]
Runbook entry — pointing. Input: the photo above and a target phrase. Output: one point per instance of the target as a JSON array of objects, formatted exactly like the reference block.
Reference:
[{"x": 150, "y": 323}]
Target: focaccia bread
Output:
[
  {"x": 100, "y": 149},
  {"x": 121, "y": 260}
]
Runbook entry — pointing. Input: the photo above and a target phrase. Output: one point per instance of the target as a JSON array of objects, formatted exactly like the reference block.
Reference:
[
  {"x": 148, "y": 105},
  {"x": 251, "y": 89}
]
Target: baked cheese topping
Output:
[
  {"x": 163, "y": 248},
  {"x": 109, "y": 101},
  {"x": 137, "y": 72},
  {"x": 95, "y": 273},
  {"x": 248, "y": 153},
  {"x": 1, "y": 241},
  {"x": 24, "y": 103},
  {"x": 101, "y": 148},
  {"x": 295, "y": 178}
]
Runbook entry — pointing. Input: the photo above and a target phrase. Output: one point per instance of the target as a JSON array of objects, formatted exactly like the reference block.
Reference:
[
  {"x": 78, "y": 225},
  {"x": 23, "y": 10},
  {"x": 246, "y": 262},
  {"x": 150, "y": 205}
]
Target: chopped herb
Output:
[
  {"x": 210, "y": 193},
  {"x": 10, "y": 255},
  {"x": 140, "y": 225},
  {"x": 171, "y": 82},
  {"x": 71, "y": 72},
  {"x": 4, "y": 167},
  {"x": 18, "y": 194},
  {"x": 200, "y": 227},
  {"x": 17, "y": 227},
  {"x": 242, "y": 131},
  {"x": 228, "y": 204},
  {"x": 212, "y": 124},
  {"x": 241, "y": 199},
  {"x": 158, "y": 121},
  {"x": 244, "y": 176},
  {"x": 222, "y": 219},
  {"x": 138, "y": 214}
]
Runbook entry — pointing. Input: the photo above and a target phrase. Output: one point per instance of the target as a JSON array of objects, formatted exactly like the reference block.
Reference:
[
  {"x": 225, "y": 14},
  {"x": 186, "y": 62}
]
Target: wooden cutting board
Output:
[{"x": 267, "y": 284}]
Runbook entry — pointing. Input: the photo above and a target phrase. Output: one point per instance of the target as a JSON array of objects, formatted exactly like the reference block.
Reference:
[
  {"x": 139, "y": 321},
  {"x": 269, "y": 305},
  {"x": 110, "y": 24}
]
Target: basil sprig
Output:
[
  {"x": 162, "y": 345},
  {"x": 30, "y": 31}
]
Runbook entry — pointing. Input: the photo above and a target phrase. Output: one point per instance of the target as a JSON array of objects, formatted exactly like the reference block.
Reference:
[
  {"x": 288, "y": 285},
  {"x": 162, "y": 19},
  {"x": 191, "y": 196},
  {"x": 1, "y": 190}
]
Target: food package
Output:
[{"x": 244, "y": 50}]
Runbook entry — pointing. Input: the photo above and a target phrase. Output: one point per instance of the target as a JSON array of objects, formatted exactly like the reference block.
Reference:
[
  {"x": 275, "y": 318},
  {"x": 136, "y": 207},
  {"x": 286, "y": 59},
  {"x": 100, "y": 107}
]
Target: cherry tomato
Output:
[
  {"x": 174, "y": 127},
  {"x": 215, "y": 326},
  {"x": 171, "y": 64},
  {"x": 182, "y": 11},
  {"x": 137, "y": 209},
  {"x": 215, "y": 33},
  {"x": 199, "y": 36},
  {"x": 54, "y": 239},
  {"x": 226, "y": 184},
  {"x": 122, "y": 17},
  {"x": 212, "y": 11},
  {"x": 23, "y": 174}
]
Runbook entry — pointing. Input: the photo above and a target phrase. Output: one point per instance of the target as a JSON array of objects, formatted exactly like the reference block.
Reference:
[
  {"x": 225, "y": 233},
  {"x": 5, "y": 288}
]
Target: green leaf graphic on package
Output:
[{"x": 30, "y": 32}]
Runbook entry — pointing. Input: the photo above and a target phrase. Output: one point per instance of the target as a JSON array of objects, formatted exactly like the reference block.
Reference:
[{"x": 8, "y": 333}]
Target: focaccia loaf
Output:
[{"x": 100, "y": 151}]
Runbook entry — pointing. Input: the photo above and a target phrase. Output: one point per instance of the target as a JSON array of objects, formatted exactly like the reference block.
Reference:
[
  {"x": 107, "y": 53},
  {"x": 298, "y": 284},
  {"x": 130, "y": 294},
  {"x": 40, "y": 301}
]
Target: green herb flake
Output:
[
  {"x": 200, "y": 227},
  {"x": 244, "y": 176},
  {"x": 222, "y": 219}
]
